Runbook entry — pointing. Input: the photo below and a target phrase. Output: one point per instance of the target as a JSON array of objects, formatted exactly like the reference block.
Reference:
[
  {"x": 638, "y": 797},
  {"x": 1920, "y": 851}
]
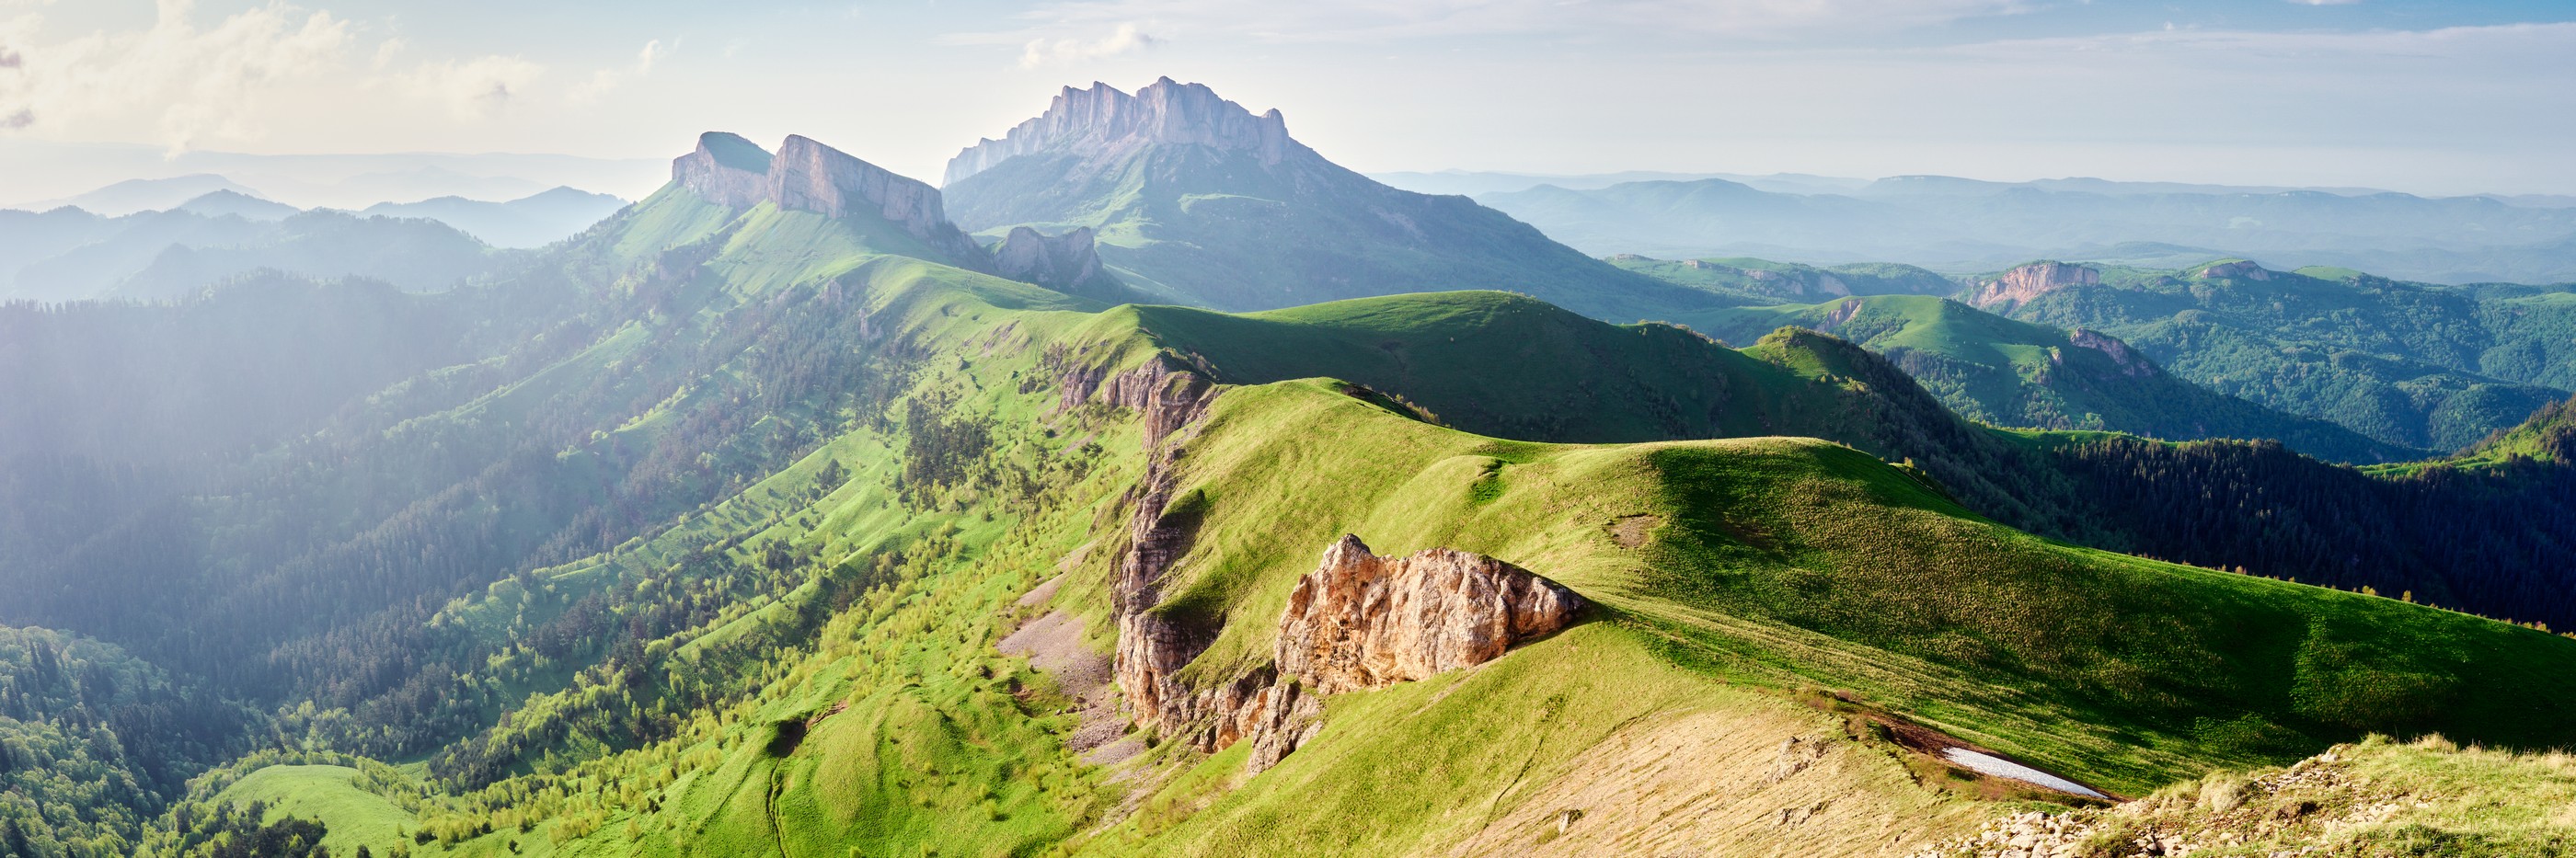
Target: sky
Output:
[{"x": 2424, "y": 97}]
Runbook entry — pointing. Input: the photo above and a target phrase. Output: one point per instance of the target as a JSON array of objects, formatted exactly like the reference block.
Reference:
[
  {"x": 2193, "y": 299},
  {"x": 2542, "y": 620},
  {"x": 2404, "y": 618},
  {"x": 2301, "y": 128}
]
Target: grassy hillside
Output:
[
  {"x": 1763, "y": 281},
  {"x": 878, "y": 714},
  {"x": 2012, "y": 373},
  {"x": 2410, "y": 364},
  {"x": 2375, "y": 797},
  {"x": 721, "y": 560}
]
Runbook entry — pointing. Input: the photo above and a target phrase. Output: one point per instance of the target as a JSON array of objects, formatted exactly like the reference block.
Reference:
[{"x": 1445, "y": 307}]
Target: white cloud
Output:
[
  {"x": 181, "y": 82},
  {"x": 1127, "y": 38},
  {"x": 478, "y": 88},
  {"x": 604, "y": 81}
]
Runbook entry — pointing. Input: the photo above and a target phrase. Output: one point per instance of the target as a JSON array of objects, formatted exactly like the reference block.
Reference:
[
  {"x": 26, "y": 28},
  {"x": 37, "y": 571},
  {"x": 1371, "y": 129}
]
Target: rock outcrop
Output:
[
  {"x": 808, "y": 176},
  {"x": 2021, "y": 285},
  {"x": 2239, "y": 269},
  {"x": 1361, "y": 621},
  {"x": 1107, "y": 123},
  {"x": 1067, "y": 263},
  {"x": 2130, "y": 362}
]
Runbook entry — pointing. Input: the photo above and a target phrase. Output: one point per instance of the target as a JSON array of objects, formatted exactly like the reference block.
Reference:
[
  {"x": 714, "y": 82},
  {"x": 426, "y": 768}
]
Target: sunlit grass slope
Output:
[
  {"x": 1789, "y": 561},
  {"x": 836, "y": 688},
  {"x": 2014, "y": 373}
]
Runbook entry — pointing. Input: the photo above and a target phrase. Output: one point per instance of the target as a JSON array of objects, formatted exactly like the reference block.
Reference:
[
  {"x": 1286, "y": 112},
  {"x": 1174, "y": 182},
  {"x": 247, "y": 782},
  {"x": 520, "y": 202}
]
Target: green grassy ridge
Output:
[
  {"x": 2412, "y": 364},
  {"x": 912, "y": 658},
  {"x": 911, "y": 654},
  {"x": 1580, "y": 380},
  {"x": 1763, "y": 281},
  {"x": 2012, "y": 373},
  {"x": 2192, "y": 666}
]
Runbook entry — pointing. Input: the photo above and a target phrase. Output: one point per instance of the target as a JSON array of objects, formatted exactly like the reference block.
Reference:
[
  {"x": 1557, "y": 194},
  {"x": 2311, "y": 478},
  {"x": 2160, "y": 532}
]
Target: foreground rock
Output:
[{"x": 1361, "y": 621}]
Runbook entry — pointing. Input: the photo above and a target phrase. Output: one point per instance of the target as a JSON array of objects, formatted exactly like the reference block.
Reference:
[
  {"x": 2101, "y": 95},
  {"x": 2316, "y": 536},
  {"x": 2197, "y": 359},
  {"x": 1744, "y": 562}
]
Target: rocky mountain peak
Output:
[
  {"x": 1102, "y": 121},
  {"x": 808, "y": 176}
]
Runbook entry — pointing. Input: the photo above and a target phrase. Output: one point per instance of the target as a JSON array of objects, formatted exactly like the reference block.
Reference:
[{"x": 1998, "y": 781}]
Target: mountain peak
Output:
[
  {"x": 808, "y": 176},
  {"x": 1101, "y": 119}
]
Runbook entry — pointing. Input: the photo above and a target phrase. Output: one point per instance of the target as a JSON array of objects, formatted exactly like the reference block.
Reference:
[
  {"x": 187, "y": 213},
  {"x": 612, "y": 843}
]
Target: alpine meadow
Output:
[{"x": 1158, "y": 485}]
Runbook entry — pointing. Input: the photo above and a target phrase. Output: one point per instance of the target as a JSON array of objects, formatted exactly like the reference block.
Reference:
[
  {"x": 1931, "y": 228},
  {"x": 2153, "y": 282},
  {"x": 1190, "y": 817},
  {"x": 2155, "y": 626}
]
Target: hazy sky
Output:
[{"x": 2431, "y": 97}]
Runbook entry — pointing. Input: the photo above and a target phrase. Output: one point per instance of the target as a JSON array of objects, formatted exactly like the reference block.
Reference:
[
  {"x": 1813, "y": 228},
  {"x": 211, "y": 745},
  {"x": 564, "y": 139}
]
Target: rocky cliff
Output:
[
  {"x": 1106, "y": 123},
  {"x": 1067, "y": 263},
  {"x": 808, "y": 176},
  {"x": 2130, "y": 362},
  {"x": 1362, "y": 621},
  {"x": 2021, "y": 285}
]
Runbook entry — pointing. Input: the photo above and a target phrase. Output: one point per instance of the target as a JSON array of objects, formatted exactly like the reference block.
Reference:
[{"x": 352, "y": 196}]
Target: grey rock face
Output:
[{"x": 1106, "y": 121}]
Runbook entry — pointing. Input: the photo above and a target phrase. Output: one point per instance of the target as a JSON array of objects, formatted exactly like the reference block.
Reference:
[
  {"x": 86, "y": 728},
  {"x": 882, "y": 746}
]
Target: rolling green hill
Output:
[
  {"x": 2410, "y": 364},
  {"x": 1197, "y": 201},
  {"x": 2012, "y": 373},
  {"x": 1763, "y": 281},
  {"x": 771, "y": 531},
  {"x": 887, "y": 721}
]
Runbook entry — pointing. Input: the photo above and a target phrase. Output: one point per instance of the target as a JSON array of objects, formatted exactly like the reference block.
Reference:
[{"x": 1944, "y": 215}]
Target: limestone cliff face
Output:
[
  {"x": 808, "y": 176},
  {"x": 1109, "y": 123},
  {"x": 2021, "y": 285},
  {"x": 725, "y": 169},
  {"x": 1361, "y": 621},
  {"x": 1067, "y": 263}
]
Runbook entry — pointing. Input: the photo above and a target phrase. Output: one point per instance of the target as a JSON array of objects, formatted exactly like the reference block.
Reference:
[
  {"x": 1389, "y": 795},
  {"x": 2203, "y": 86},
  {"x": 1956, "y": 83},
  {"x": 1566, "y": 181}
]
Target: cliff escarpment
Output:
[
  {"x": 1107, "y": 123},
  {"x": 808, "y": 176},
  {"x": 2023, "y": 284}
]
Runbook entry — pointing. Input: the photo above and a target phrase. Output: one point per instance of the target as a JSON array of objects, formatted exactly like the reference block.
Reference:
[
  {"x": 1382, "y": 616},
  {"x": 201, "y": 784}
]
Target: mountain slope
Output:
[
  {"x": 2011, "y": 373},
  {"x": 2405, "y": 363},
  {"x": 756, "y": 525},
  {"x": 1198, "y": 201},
  {"x": 1765, "y": 281}
]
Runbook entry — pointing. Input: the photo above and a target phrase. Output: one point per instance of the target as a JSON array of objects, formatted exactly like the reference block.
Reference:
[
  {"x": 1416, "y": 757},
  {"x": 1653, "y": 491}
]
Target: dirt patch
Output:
[
  {"x": 1739, "y": 781},
  {"x": 1119, "y": 751},
  {"x": 1630, "y": 531},
  {"x": 1040, "y": 594},
  {"x": 1053, "y": 645}
]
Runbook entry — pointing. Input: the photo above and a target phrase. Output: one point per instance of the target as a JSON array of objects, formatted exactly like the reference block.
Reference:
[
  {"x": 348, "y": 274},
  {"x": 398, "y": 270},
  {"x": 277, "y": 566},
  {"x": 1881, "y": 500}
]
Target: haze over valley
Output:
[{"x": 1028, "y": 432}]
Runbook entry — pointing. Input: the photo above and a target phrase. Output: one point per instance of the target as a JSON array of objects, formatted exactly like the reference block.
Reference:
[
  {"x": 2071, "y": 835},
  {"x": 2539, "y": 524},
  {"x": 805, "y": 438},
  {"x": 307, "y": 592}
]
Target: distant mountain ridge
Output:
[
  {"x": 1197, "y": 200},
  {"x": 1964, "y": 225},
  {"x": 532, "y": 221}
]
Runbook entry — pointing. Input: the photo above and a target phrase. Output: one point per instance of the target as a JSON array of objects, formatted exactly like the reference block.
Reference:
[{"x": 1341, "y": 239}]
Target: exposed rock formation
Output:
[
  {"x": 1362, "y": 621},
  {"x": 1066, "y": 263},
  {"x": 725, "y": 169},
  {"x": 2239, "y": 269},
  {"x": 2021, "y": 285},
  {"x": 1111, "y": 123},
  {"x": 811, "y": 177},
  {"x": 2128, "y": 360}
]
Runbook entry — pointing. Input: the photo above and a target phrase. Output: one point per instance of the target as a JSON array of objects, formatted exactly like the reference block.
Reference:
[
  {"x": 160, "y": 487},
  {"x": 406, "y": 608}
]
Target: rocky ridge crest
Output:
[
  {"x": 1105, "y": 124},
  {"x": 808, "y": 176}
]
